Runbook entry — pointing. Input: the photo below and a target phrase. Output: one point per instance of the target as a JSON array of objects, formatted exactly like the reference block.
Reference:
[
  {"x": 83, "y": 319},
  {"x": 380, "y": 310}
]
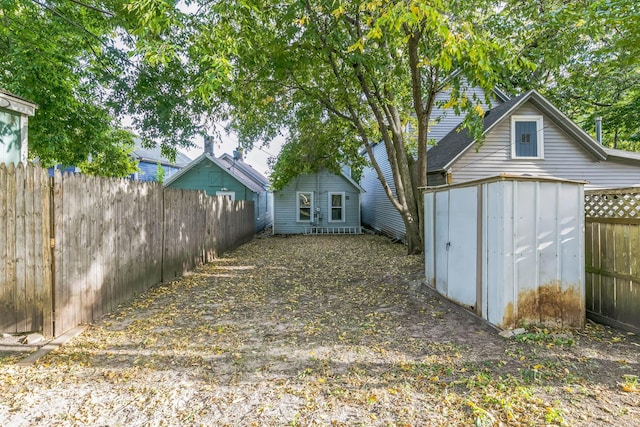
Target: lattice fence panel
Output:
[{"x": 619, "y": 203}]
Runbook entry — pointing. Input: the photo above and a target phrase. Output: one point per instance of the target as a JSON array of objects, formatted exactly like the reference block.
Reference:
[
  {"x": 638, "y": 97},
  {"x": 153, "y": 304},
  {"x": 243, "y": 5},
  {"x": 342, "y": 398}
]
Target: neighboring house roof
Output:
[
  {"x": 632, "y": 156},
  {"x": 234, "y": 172},
  {"x": 154, "y": 155},
  {"x": 452, "y": 146},
  {"x": 246, "y": 169},
  {"x": 16, "y": 103}
]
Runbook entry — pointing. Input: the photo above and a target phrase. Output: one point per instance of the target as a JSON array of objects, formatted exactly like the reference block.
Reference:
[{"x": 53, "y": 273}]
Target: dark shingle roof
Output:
[{"x": 457, "y": 141}]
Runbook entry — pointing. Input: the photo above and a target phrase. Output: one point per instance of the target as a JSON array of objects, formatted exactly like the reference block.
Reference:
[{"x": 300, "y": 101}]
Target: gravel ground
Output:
[{"x": 323, "y": 330}]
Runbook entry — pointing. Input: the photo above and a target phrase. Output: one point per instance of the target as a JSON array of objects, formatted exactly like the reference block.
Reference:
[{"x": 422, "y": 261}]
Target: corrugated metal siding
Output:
[
  {"x": 377, "y": 211},
  {"x": 528, "y": 239},
  {"x": 563, "y": 158},
  {"x": 321, "y": 184},
  {"x": 534, "y": 264}
]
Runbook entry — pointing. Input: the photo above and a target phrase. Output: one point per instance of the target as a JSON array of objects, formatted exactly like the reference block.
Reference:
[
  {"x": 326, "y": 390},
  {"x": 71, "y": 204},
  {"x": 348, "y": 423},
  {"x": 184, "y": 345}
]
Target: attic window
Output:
[{"x": 527, "y": 137}]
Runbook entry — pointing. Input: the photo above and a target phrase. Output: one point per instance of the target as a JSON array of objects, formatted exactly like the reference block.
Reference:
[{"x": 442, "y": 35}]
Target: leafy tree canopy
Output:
[
  {"x": 75, "y": 59},
  {"x": 586, "y": 54},
  {"x": 338, "y": 76}
]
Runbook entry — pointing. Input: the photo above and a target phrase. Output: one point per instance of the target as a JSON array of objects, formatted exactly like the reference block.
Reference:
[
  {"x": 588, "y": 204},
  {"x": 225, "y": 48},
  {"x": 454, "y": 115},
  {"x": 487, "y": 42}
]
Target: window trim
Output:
[
  {"x": 539, "y": 135},
  {"x": 298, "y": 206},
  {"x": 342, "y": 206},
  {"x": 231, "y": 194}
]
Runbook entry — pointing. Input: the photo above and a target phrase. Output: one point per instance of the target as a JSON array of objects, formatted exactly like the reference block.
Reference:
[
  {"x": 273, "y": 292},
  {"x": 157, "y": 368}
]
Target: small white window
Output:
[
  {"x": 304, "y": 204},
  {"x": 231, "y": 195},
  {"x": 527, "y": 137},
  {"x": 336, "y": 207}
]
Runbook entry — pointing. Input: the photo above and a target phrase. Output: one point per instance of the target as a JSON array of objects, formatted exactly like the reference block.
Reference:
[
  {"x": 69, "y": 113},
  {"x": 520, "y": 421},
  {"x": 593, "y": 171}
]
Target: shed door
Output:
[
  {"x": 442, "y": 242},
  {"x": 463, "y": 245},
  {"x": 456, "y": 244}
]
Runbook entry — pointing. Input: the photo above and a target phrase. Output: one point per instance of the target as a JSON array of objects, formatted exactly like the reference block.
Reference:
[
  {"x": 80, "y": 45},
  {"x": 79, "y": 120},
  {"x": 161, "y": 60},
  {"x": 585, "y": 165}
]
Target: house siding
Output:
[
  {"x": 262, "y": 210},
  {"x": 210, "y": 178},
  {"x": 149, "y": 171},
  {"x": 563, "y": 158},
  {"x": 377, "y": 210},
  {"x": 321, "y": 184}
]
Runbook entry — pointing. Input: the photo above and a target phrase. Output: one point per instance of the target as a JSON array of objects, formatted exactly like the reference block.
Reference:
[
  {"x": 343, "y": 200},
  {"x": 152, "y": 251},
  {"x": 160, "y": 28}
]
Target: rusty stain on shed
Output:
[{"x": 550, "y": 305}]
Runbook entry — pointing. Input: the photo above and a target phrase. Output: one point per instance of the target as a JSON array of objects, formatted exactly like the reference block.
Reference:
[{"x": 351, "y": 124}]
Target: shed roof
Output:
[
  {"x": 246, "y": 169},
  {"x": 456, "y": 142},
  {"x": 16, "y": 103}
]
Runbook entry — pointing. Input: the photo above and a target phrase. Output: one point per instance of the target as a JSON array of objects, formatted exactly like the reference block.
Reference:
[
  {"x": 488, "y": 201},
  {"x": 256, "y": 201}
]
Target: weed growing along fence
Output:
[
  {"x": 612, "y": 255},
  {"x": 76, "y": 246}
]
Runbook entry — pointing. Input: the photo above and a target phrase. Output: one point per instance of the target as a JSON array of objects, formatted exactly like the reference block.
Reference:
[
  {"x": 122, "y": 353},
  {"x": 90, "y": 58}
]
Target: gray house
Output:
[
  {"x": 377, "y": 211},
  {"x": 227, "y": 176},
  {"x": 318, "y": 203},
  {"x": 527, "y": 135},
  {"x": 14, "y": 119}
]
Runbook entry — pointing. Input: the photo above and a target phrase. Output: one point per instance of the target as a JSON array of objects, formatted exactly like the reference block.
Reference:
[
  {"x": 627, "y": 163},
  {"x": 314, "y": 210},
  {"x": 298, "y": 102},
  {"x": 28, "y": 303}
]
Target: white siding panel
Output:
[
  {"x": 462, "y": 247},
  {"x": 563, "y": 158},
  {"x": 321, "y": 184},
  {"x": 444, "y": 121}
]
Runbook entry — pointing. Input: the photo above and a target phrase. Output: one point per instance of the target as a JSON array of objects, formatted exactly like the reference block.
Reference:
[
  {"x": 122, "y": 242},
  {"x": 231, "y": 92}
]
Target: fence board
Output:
[
  {"x": 11, "y": 246},
  {"x": 33, "y": 309},
  {"x": 7, "y": 320},
  {"x": 45, "y": 268},
  {"x": 613, "y": 267},
  {"x": 73, "y": 247}
]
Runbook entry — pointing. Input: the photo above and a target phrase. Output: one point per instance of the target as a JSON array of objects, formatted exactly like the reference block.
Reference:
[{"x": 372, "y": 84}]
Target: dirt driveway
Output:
[{"x": 328, "y": 330}]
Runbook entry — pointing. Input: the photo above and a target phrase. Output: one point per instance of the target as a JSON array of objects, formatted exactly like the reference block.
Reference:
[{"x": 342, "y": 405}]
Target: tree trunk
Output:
[{"x": 413, "y": 237}]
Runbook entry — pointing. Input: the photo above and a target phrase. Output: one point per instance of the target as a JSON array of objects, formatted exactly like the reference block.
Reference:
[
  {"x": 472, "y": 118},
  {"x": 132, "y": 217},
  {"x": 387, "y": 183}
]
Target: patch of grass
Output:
[
  {"x": 546, "y": 337},
  {"x": 630, "y": 384}
]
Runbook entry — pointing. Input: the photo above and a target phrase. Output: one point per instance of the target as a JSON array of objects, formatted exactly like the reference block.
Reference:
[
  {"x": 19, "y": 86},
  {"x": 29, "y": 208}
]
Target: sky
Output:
[{"x": 257, "y": 158}]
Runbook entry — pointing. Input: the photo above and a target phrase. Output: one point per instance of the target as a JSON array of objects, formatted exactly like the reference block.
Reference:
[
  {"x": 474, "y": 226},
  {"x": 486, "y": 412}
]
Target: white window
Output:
[
  {"x": 231, "y": 195},
  {"x": 304, "y": 206},
  {"x": 336, "y": 207},
  {"x": 527, "y": 137}
]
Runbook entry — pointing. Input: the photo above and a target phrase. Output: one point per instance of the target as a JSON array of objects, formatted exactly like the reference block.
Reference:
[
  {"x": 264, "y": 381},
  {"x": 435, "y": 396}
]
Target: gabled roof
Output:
[
  {"x": 246, "y": 169},
  {"x": 154, "y": 155},
  {"x": 352, "y": 182},
  {"x": 452, "y": 146},
  {"x": 234, "y": 172}
]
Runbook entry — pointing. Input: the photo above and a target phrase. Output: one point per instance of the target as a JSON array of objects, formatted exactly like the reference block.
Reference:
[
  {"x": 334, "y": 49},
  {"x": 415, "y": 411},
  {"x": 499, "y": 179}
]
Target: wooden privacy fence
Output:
[
  {"x": 612, "y": 256},
  {"x": 73, "y": 247}
]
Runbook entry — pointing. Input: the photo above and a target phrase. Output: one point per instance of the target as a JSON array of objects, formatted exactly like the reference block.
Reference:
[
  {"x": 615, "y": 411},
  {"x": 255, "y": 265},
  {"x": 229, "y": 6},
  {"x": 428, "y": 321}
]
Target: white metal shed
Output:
[{"x": 510, "y": 248}]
